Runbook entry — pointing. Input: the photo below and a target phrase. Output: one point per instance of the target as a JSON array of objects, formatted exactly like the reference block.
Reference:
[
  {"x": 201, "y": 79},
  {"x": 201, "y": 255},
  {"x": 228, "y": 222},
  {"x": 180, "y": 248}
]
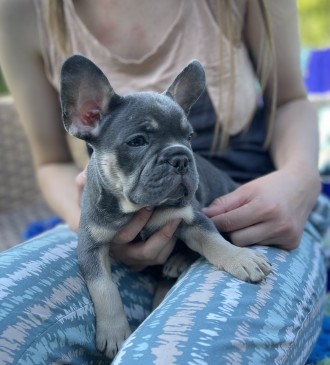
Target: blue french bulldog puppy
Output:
[{"x": 142, "y": 158}]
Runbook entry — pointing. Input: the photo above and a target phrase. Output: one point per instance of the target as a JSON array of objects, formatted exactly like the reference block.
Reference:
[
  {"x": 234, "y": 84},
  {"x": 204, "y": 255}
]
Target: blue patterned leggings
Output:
[{"x": 209, "y": 317}]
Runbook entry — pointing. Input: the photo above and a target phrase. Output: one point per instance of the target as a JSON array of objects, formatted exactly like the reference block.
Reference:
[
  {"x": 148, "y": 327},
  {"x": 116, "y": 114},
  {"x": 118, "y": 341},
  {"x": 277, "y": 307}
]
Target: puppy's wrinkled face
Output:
[
  {"x": 141, "y": 142},
  {"x": 145, "y": 154}
]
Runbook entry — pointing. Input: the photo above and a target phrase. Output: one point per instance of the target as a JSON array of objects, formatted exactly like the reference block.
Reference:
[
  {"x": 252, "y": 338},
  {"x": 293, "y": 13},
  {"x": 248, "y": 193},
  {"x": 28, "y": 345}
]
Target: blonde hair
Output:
[
  {"x": 57, "y": 25},
  {"x": 265, "y": 68}
]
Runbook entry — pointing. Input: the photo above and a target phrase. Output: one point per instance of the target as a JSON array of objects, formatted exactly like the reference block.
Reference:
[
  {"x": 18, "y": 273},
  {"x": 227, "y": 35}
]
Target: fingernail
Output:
[
  {"x": 207, "y": 210},
  {"x": 149, "y": 209},
  {"x": 175, "y": 222}
]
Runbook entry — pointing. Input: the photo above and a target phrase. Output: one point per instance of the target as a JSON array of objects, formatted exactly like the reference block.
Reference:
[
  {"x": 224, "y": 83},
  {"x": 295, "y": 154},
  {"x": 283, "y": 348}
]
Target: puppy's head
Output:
[{"x": 141, "y": 142}]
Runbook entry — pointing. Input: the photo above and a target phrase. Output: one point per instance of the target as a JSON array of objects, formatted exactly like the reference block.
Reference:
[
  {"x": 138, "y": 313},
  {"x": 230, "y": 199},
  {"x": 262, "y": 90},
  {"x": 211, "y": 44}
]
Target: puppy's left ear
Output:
[
  {"x": 188, "y": 85},
  {"x": 86, "y": 97}
]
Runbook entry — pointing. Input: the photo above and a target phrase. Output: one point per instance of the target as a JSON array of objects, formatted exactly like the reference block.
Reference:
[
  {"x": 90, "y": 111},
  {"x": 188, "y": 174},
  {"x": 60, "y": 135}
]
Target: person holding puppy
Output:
[{"x": 263, "y": 135}]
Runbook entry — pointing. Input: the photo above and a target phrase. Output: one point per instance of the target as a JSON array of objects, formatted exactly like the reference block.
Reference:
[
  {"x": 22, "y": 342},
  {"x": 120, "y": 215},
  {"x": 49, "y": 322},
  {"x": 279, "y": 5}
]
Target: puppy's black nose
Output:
[
  {"x": 179, "y": 158},
  {"x": 180, "y": 163}
]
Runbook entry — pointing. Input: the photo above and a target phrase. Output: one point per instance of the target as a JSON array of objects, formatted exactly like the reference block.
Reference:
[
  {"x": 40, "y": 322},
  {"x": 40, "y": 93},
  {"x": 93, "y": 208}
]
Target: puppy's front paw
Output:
[
  {"x": 247, "y": 265},
  {"x": 110, "y": 336}
]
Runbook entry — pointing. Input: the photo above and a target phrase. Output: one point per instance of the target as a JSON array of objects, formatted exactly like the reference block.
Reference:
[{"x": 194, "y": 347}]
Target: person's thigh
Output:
[
  {"x": 212, "y": 318},
  {"x": 46, "y": 314}
]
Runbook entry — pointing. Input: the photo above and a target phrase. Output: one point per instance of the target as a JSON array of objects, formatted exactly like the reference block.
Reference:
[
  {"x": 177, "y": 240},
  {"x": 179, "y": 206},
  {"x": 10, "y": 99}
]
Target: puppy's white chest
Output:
[
  {"x": 101, "y": 234},
  {"x": 161, "y": 216}
]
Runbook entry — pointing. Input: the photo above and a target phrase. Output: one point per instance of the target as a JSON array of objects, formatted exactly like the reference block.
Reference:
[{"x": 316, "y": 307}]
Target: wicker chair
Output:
[{"x": 20, "y": 199}]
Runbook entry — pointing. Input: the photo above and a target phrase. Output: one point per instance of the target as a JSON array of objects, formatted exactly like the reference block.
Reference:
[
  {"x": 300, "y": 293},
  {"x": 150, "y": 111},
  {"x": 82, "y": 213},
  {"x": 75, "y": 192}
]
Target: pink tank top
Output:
[{"x": 194, "y": 34}]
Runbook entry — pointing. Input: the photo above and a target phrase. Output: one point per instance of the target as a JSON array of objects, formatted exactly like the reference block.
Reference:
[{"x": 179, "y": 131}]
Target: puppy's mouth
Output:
[
  {"x": 176, "y": 197},
  {"x": 163, "y": 189},
  {"x": 178, "y": 194}
]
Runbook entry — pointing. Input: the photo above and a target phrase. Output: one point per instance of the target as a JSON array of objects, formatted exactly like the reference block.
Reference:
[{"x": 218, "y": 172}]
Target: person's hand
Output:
[
  {"x": 138, "y": 255},
  {"x": 80, "y": 183},
  {"x": 73, "y": 214},
  {"x": 271, "y": 210}
]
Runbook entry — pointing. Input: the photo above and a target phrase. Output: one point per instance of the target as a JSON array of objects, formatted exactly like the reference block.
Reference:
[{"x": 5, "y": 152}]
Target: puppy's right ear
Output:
[
  {"x": 86, "y": 95},
  {"x": 188, "y": 85}
]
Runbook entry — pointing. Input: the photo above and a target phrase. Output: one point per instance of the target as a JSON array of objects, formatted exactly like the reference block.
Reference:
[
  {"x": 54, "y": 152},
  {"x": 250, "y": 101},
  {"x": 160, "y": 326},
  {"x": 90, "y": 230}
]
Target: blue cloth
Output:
[
  {"x": 209, "y": 317},
  {"x": 40, "y": 226},
  {"x": 322, "y": 348},
  {"x": 317, "y": 74}
]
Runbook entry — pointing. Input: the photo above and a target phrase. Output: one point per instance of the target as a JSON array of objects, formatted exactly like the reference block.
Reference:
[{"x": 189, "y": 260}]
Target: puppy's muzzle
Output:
[{"x": 179, "y": 158}]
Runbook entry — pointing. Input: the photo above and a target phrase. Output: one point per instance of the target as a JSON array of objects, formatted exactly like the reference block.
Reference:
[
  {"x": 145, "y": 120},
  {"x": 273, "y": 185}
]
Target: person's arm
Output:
[
  {"x": 273, "y": 209},
  {"x": 295, "y": 142},
  {"x": 38, "y": 106},
  {"x": 39, "y": 109}
]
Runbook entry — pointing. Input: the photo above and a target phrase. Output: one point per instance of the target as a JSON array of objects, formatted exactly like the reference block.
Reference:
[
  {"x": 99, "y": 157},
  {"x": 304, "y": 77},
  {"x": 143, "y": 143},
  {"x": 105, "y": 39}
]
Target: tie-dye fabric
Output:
[{"x": 208, "y": 318}]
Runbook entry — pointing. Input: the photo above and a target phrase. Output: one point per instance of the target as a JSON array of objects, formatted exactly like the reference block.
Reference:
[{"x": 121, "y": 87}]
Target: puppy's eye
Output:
[
  {"x": 190, "y": 137},
  {"x": 137, "y": 141}
]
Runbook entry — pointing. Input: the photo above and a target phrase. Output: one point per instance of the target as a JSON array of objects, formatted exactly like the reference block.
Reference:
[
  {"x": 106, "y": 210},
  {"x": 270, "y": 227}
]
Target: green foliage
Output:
[
  {"x": 314, "y": 23},
  {"x": 3, "y": 88}
]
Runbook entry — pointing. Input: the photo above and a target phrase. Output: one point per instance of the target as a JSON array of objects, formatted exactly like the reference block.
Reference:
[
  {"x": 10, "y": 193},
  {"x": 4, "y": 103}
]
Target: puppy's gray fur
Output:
[{"x": 142, "y": 158}]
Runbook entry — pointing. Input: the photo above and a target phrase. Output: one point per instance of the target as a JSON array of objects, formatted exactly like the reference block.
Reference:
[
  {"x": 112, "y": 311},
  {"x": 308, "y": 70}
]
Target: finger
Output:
[
  {"x": 80, "y": 183},
  {"x": 142, "y": 254},
  {"x": 151, "y": 252},
  {"x": 226, "y": 203},
  {"x": 81, "y": 179},
  {"x": 165, "y": 234},
  {"x": 164, "y": 253},
  {"x": 134, "y": 227},
  {"x": 157, "y": 248},
  {"x": 256, "y": 234},
  {"x": 263, "y": 234},
  {"x": 237, "y": 219}
]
